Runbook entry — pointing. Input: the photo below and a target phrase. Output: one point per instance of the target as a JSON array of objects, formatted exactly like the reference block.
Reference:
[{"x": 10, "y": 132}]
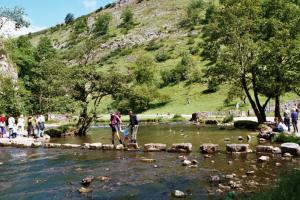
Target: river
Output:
[{"x": 56, "y": 173}]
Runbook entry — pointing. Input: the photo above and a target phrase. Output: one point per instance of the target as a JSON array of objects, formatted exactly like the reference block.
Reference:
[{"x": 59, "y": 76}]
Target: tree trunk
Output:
[
  {"x": 261, "y": 117},
  {"x": 277, "y": 107},
  {"x": 83, "y": 123}
]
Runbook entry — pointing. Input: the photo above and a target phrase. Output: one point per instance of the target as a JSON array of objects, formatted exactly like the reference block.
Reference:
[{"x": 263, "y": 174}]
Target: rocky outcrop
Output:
[
  {"x": 209, "y": 148},
  {"x": 181, "y": 148},
  {"x": 291, "y": 148},
  {"x": 153, "y": 147},
  {"x": 238, "y": 148},
  {"x": 6, "y": 68}
]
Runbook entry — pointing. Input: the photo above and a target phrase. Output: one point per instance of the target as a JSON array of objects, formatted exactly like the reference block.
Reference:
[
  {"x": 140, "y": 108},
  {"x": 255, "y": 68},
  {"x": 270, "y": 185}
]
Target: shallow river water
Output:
[{"x": 56, "y": 173}]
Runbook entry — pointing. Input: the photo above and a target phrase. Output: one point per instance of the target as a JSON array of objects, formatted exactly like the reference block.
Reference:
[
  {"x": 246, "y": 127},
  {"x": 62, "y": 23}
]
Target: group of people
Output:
[
  {"x": 11, "y": 128},
  {"x": 288, "y": 119},
  {"x": 116, "y": 127}
]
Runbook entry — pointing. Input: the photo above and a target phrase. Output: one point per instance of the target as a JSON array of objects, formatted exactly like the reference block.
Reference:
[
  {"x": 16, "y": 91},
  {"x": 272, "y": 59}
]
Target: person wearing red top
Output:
[{"x": 2, "y": 125}]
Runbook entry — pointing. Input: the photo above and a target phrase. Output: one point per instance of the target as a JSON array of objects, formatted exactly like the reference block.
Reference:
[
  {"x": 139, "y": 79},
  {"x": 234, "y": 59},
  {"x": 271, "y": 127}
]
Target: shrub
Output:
[
  {"x": 153, "y": 45},
  {"x": 162, "y": 56},
  {"x": 102, "y": 24},
  {"x": 212, "y": 87},
  {"x": 144, "y": 70},
  {"x": 178, "y": 118},
  {"x": 69, "y": 18},
  {"x": 127, "y": 19},
  {"x": 282, "y": 138},
  {"x": 195, "y": 75},
  {"x": 80, "y": 25}
]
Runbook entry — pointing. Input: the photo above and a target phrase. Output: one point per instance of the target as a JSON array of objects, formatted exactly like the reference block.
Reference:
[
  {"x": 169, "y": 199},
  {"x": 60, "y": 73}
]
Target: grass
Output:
[
  {"x": 282, "y": 138},
  {"x": 288, "y": 188}
]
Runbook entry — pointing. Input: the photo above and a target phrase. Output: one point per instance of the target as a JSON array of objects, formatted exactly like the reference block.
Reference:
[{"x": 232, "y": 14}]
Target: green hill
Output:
[{"x": 158, "y": 31}]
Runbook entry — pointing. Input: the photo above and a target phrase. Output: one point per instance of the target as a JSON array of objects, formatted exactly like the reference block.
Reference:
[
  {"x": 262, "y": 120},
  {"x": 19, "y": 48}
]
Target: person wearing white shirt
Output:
[
  {"x": 21, "y": 124},
  {"x": 11, "y": 124}
]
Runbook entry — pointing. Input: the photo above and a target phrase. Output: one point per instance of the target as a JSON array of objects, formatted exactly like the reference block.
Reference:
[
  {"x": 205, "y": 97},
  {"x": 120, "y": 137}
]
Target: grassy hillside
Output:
[{"x": 157, "y": 32}]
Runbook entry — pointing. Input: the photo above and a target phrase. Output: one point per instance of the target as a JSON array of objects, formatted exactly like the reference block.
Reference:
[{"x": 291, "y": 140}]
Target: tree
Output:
[
  {"x": 15, "y": 15},
  {"x": 127, "y": 19},
  {"x": 102, "y": 24},
  {"x": 234, "y": 42},
  {"x": 144, "y": 70},
  {"x": 193, "y": 12},
  {"x": 88, "y": 86},
  {"x": 80, "y": 25},
  {"x": 69, "y": 18},
  {"x": 45, "y": 49}
]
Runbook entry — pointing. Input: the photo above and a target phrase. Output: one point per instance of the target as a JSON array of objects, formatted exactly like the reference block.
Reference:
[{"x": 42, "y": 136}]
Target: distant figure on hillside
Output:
[
  {"x": 114, "y": 121},
  {"x": 133, "y": 126},
  {"x": 294, "y": 116},
  {"x": 11, "y": 125},
  {"x": 286, "y": 119},
  {"x": 2, "y": 125},
  {"x": 30, "y": 127},
  {"x": 21, "y": 124}
]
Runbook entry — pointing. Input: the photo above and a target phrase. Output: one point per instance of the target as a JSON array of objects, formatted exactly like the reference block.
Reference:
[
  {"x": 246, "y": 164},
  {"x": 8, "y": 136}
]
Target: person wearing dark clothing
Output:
[
  {"x": 294, "y": 116},
  {"x": 114, "y": 121},
  {"x": 286, "y": 119},
  {"x": 30, "y": 127},
  {"x": 133, "y": 126}
]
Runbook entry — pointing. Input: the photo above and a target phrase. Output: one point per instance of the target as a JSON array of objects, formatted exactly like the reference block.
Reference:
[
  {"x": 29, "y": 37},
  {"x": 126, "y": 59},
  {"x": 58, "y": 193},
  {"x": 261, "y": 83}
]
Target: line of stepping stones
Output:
[{"x": 208, "y": 148}]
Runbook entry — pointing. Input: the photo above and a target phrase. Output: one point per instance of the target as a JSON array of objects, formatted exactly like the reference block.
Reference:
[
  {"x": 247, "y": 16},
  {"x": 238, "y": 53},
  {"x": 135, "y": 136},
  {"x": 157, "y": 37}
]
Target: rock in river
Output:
[
  {"x": 208, "y": 148},
  {"x": 71, "y": 145},
  {"x": 95, "y": 146},
  {"x": 152, "y": 147},
  {"x": 108, "y": 147},
  {"x": 264, "y": 149},
  {"x": 291, "y": 148},
  {"x": 186, "y": 163},
  {"x": 181, "y": 148},
  {"x": 264, "y": 158},
  {"x": 87, "y": 180},
  {"x": 178, "y": 194},
  {"x": 238, "y": 148},
  {"x": 84, "y": 190}
]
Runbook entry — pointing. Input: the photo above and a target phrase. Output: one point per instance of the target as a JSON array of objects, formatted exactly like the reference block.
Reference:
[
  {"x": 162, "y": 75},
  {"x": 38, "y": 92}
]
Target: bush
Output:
[
  {"x": 162, "y": 56},
  {"x": 282, "y": 138},
  {"x": 80, "y": 25},
  {"x": 144, "y": 70},
  {"x": 178, "y": 118},
  {"x": 211, "y": 87},
  {"x": 153, "y": 45},
  {"x": 195, "y": 75},
  {"x": 102, "y": 24},
  {"x": 127, "y": 19}
]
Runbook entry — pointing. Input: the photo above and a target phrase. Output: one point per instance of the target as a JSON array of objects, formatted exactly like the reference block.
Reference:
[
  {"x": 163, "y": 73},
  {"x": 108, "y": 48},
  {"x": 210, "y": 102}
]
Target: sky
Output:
[{"x": 46, "y": 13}]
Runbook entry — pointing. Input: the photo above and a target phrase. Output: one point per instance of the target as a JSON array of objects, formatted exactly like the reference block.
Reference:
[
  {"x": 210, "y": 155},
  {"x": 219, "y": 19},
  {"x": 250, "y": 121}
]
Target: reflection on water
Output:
[{"x": 56, "y": 174}]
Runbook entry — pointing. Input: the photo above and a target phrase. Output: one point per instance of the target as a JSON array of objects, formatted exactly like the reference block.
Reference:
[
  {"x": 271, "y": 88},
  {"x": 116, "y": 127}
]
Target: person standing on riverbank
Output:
[
  {"x": 2, "y": 125},
  {"x": 41, "y": 125},
  {"x": 30, "y": 127},
  {"x": 21, "y": 125},
  {"x": 11, "y": 125},
  {"x": 133, "y": 126},
  {"x": 114, "y": 121},
  {"x": 294, "y": 116},
  {"x": 286, "y": 119}
]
